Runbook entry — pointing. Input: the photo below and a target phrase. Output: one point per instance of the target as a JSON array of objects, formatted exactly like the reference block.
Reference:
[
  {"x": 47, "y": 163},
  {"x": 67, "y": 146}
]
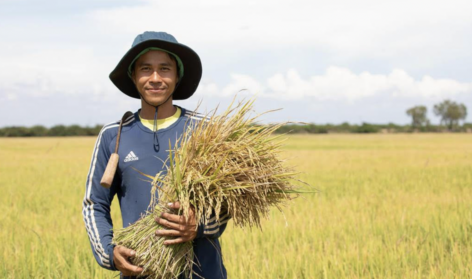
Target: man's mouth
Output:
[{"x": 155, "y": 89}]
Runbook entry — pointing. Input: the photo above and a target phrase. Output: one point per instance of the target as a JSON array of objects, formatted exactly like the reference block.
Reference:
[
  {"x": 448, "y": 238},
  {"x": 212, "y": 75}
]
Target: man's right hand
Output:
[{"x": 121, "y": 257}]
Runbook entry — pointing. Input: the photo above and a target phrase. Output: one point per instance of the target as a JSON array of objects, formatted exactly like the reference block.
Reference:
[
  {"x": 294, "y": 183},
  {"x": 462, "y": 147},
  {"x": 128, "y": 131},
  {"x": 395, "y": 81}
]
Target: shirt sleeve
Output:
[
  {"x": 97, "y": 202},
  {"x": 214, "y": 228}
]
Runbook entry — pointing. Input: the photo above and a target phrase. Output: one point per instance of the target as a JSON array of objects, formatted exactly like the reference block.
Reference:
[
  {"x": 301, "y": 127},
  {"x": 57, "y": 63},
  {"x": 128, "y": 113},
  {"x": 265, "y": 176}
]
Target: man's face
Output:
[{"x": 155, "y": 76}]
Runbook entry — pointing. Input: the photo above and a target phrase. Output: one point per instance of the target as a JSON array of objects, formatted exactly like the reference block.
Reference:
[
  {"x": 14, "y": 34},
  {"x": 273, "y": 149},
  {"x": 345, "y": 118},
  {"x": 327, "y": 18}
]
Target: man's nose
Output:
[{"x": 155, "y": 77}]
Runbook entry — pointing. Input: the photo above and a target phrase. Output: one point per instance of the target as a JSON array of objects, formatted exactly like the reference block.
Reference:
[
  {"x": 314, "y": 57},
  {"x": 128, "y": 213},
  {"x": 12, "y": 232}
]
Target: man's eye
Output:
[
  {"x": 144, "y": 68},
  {"x": 165, "y": 69}
]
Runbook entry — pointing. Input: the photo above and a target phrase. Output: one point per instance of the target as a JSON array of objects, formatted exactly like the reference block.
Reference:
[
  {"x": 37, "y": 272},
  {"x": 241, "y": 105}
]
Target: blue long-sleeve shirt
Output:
[{"x": 137, "y": 152}]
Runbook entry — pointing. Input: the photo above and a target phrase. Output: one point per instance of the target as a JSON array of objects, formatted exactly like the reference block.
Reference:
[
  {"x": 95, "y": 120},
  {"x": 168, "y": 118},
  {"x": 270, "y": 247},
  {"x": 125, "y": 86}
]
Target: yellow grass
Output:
[{"x": 391, "y": 206}]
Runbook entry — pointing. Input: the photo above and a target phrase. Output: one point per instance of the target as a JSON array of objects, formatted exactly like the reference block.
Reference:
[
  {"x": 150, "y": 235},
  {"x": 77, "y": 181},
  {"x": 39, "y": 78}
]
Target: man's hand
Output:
[
  {"x": 121, "y": 257},
  {"x": 178, "y": 226}
]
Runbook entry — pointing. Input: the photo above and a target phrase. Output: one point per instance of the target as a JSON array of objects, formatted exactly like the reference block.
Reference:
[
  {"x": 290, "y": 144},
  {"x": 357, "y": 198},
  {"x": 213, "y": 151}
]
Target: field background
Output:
[{"x": 389, "y": 206}]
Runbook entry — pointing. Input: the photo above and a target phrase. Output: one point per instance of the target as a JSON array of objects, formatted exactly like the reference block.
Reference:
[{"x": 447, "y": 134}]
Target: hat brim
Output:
[{"x": 187, "y": 85}]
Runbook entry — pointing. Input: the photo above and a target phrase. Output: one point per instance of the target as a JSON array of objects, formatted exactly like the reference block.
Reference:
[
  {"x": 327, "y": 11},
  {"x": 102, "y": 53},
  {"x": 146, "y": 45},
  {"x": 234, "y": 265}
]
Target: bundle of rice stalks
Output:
[{"x": 224, "y": 164}]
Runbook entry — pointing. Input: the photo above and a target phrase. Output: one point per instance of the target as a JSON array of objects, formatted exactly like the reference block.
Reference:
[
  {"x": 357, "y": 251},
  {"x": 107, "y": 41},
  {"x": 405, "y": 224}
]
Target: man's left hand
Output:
[{"x": 184, "y": 229}]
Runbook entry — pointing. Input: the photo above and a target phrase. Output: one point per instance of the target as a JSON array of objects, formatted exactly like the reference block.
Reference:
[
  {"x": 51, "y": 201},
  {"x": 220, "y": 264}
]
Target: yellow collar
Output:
[{"x": 161, "y": 123}]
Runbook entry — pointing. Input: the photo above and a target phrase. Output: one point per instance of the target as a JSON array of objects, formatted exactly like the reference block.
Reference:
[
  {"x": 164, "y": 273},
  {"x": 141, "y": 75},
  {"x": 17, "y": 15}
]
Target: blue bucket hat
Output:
[{"x": 189, "y": 64}]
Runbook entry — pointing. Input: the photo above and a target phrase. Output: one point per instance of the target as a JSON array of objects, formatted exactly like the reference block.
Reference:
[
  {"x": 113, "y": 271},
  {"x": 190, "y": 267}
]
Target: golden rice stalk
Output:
[
  {"x": 225, "y": 164},
  {"x": 163, "y": 262}
]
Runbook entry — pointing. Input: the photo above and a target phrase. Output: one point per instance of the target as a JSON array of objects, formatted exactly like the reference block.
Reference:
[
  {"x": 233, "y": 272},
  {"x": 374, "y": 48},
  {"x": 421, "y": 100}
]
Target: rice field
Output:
[{"x": 389, "y": 206}]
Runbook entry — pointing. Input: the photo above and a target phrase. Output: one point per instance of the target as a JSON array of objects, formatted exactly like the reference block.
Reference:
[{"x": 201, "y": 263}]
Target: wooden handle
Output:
[{"x": 109, "y": 173}]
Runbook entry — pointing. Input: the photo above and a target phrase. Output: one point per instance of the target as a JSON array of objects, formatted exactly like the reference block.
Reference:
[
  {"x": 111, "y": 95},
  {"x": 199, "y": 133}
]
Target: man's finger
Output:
[
  {"x": 131, "y": 270},
  {"x": 174, "y": 205},
  {"x": 173, "y": 218},
  {"x": 122, "y": 261},
  {"x": 168, "y": 224},
  {"x": 137, "y": 269},
  {"x": 168, "y": 233},
  {"x": 127, "y": 252},
  {"x": 174, "y": 241}
]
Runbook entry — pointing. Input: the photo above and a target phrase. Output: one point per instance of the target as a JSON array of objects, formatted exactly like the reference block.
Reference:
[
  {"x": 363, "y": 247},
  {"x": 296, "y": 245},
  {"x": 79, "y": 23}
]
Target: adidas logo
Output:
[{"x": 131, "y": 157}]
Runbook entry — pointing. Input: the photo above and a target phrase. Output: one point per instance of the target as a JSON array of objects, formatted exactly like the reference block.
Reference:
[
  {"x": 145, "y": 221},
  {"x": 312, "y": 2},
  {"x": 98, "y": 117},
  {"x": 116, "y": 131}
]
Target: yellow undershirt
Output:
[{"x": 161, "y": 123}]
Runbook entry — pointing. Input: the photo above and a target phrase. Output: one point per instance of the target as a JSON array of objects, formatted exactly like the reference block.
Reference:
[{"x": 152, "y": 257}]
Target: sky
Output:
[{"x": 318, "y": 61}]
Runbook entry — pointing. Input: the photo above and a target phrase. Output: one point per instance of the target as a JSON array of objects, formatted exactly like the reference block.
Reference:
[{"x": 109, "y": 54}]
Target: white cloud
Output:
[
  {"x": 350, "y": 28},
  {"x": 341, "y": 84},
  {"x": 208, "y": 89},
  {"x": 11, "y": 97},
  {"x": 242, "y": 85},
  {"x": 49, "y": 71},
  {"x": 342, "y": 27}
]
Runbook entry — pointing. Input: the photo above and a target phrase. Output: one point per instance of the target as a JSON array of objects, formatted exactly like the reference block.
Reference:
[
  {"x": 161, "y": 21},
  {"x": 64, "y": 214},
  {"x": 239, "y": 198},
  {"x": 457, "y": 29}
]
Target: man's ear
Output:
[{"x": 133, "y": 77}]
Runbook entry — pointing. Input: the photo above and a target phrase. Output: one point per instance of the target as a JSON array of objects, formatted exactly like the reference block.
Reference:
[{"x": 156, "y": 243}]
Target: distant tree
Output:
[
  {"x": 418, "y": 116},
  {"x": 395, "y": 128},
  {"x": 367, "y": 128},
  {"x": 92, "y": 131},
  {"x": 467, "y": 127},
  {"x": 450, "y": 113},
  {"x": 75, "y": 130},
  {"x": 38, "y": 131},
  {"x": 345, "y": 127},
  {"x": 58, "y": 131}
]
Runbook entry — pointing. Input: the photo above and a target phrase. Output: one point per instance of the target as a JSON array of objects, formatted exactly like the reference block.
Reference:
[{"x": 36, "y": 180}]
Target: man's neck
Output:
[{"x": 164, "y": 111}]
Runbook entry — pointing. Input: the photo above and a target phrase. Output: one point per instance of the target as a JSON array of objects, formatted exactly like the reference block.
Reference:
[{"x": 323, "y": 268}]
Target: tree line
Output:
[
  {"x": 365, "y": 128},
  {"x": 55, "y": 131},
  {"x": 309, "y": 128},
  {"x": 450, "y": 113}
]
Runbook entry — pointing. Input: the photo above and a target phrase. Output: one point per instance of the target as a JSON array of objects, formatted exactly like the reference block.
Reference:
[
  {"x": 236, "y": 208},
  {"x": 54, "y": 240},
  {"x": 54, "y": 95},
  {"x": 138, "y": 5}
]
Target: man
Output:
[{"x": 157, "y": 70}]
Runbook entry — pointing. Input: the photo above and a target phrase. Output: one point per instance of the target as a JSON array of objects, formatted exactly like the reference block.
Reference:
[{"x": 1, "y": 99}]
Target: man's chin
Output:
[{"x": 157, "y": 101}]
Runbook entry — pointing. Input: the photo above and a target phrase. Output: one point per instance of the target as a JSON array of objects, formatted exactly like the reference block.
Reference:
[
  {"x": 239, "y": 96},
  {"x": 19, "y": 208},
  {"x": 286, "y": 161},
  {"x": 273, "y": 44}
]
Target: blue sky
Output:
[{"x": 354, "y": 61}]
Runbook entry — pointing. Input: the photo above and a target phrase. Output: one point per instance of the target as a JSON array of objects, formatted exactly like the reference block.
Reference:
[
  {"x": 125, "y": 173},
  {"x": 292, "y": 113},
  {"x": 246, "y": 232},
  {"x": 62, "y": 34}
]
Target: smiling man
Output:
[
  {"x": 158, "y": 70},
  {"x": 155, "y": 77}
]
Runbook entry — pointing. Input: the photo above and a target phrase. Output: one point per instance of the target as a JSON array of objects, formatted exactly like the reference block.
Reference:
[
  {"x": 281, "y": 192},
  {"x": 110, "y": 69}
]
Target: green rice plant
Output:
[{"x": 225, "y": 164}]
